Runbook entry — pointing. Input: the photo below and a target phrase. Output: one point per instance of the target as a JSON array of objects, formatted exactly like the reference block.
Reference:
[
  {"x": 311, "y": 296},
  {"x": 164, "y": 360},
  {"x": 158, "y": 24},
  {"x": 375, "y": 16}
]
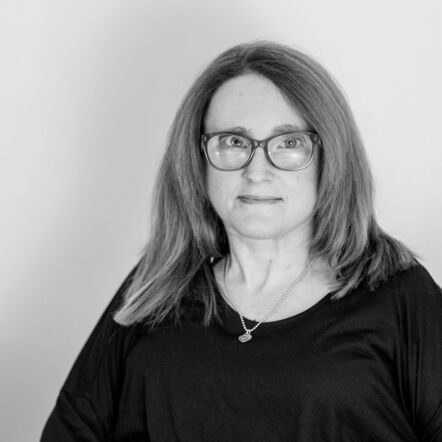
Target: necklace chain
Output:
[{"x": 247, "y": 335}]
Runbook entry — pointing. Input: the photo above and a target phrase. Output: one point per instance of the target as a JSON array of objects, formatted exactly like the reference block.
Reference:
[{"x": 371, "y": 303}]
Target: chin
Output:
[
  {"x": 270, "y": 228},
  {"x": 259, "y": 231}
]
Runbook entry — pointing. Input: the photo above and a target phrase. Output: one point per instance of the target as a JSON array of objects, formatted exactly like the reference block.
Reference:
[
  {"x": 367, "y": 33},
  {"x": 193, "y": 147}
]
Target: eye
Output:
[
  {"x": 291, "y": 142},
  {"x": 229, "y": 140}
]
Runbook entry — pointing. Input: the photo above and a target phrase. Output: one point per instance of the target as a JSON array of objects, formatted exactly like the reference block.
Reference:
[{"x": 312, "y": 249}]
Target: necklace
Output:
[{"x": 248, "y": 332}]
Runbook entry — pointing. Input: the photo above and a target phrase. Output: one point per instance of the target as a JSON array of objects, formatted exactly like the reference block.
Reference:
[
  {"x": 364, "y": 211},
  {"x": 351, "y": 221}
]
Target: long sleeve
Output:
[
  {"x": 420, "y": 356},
  {"x": 86, "y": 405}
]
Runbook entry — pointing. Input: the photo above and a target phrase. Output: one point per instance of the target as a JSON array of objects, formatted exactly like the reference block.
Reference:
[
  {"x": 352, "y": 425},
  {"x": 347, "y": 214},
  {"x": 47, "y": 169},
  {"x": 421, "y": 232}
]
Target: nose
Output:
[{"x": 259, "y": 168}]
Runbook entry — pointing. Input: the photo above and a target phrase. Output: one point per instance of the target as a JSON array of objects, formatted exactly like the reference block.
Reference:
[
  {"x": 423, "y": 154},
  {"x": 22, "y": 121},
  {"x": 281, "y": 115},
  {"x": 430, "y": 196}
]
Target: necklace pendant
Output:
[{"x": 245, "y": 337}]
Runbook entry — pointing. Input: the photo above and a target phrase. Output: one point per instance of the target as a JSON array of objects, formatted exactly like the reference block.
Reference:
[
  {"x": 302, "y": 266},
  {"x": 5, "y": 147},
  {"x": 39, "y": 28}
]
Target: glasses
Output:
[{"x": 231, "y": 151}]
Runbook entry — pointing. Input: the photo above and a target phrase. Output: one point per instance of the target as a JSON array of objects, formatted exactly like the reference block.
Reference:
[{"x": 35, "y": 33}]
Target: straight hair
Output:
[{"x": 174, "y": 274}]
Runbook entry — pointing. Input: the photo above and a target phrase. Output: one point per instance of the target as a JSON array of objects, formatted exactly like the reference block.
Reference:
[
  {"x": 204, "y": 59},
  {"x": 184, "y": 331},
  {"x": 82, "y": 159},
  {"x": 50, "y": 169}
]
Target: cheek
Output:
[
  {"x": 218, "y": 186},
  {"x": 210, "y": 182},
  {"x": 302, "y": 189}
]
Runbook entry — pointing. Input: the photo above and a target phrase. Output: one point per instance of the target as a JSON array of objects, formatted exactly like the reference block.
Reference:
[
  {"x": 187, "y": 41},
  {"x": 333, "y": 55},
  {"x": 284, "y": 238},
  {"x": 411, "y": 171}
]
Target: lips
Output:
[
  {"x": 257, "y": 199},
  {"x": 260, "y": 197}
]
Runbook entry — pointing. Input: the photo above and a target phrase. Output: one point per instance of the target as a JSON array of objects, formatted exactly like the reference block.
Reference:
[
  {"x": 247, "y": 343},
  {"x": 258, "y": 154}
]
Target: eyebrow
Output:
[{"x": 283, "y": 128}]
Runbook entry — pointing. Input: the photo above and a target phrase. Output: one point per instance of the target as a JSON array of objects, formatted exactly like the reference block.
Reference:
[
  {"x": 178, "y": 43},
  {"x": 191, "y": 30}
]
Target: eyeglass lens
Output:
[{"x": 289, "y": 151}]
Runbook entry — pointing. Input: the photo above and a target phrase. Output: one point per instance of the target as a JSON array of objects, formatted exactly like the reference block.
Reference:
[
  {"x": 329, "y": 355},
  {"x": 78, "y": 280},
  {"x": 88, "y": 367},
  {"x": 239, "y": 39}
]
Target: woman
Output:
[{"x": 268, "y": 304}]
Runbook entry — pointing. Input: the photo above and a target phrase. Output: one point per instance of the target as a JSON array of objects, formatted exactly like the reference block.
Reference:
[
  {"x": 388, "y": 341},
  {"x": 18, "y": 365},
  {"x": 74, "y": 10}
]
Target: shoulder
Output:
[
  {"x": 412, "y": 285},
  {"x": 107, "y": 341},
  {"x": 410, "y": 301},
  {"x": 406, "y": 297}
]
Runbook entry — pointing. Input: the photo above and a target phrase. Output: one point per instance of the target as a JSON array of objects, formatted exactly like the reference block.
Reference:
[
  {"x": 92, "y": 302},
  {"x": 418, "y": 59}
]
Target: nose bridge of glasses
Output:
[
  {"x": 259, "y": 143},
  {"x": 254, "y": 154}
]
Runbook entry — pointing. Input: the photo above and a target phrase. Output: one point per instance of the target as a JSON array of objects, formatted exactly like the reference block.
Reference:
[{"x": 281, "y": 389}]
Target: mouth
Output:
[{"x": 253, "y": 199}]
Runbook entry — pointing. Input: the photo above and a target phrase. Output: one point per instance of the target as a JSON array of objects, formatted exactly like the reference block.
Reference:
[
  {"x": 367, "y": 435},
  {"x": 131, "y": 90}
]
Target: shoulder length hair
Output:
[{"x": 186, "y": 232}]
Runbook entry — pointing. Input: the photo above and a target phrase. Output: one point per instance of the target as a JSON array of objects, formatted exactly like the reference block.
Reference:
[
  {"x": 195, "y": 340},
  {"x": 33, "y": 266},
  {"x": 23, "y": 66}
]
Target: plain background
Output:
[{"x": 88, "y": 91}]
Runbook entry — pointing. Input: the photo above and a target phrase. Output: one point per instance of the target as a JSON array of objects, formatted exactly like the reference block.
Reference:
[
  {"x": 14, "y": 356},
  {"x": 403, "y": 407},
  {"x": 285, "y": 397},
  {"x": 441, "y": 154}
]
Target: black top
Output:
[{"x": 367, "y": 367}]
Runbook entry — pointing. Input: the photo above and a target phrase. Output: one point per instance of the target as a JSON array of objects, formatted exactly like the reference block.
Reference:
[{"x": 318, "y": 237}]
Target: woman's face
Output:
[{"x": 253, "y": 104}]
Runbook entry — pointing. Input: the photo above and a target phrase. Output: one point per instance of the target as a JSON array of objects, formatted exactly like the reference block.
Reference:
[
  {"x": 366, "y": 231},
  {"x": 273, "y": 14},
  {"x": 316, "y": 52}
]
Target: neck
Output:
[{"x": 257, "y": 271}]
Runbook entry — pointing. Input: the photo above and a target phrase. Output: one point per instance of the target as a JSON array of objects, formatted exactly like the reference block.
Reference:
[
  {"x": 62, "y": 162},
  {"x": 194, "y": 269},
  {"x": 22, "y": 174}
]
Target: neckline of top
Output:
[{"x": 232, "y": 313}]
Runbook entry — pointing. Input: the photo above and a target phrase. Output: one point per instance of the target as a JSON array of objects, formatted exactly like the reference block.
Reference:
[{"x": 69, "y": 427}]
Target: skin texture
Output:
[
  {"x": 257, "y": 105},
  {"x": 269, "y": 242}
]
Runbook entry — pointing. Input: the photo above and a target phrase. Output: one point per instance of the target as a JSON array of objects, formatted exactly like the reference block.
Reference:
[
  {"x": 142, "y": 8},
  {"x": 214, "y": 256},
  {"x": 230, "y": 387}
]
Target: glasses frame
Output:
[{"x": 314, "y": 136}]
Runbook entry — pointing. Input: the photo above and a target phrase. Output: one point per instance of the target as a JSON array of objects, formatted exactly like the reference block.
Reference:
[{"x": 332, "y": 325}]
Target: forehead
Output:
[{"x": 253, "y": 102}]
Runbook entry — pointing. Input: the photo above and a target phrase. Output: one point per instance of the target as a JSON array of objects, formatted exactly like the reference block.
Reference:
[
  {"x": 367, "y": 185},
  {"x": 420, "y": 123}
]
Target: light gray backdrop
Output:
[{"x": 88, "y": 90}]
